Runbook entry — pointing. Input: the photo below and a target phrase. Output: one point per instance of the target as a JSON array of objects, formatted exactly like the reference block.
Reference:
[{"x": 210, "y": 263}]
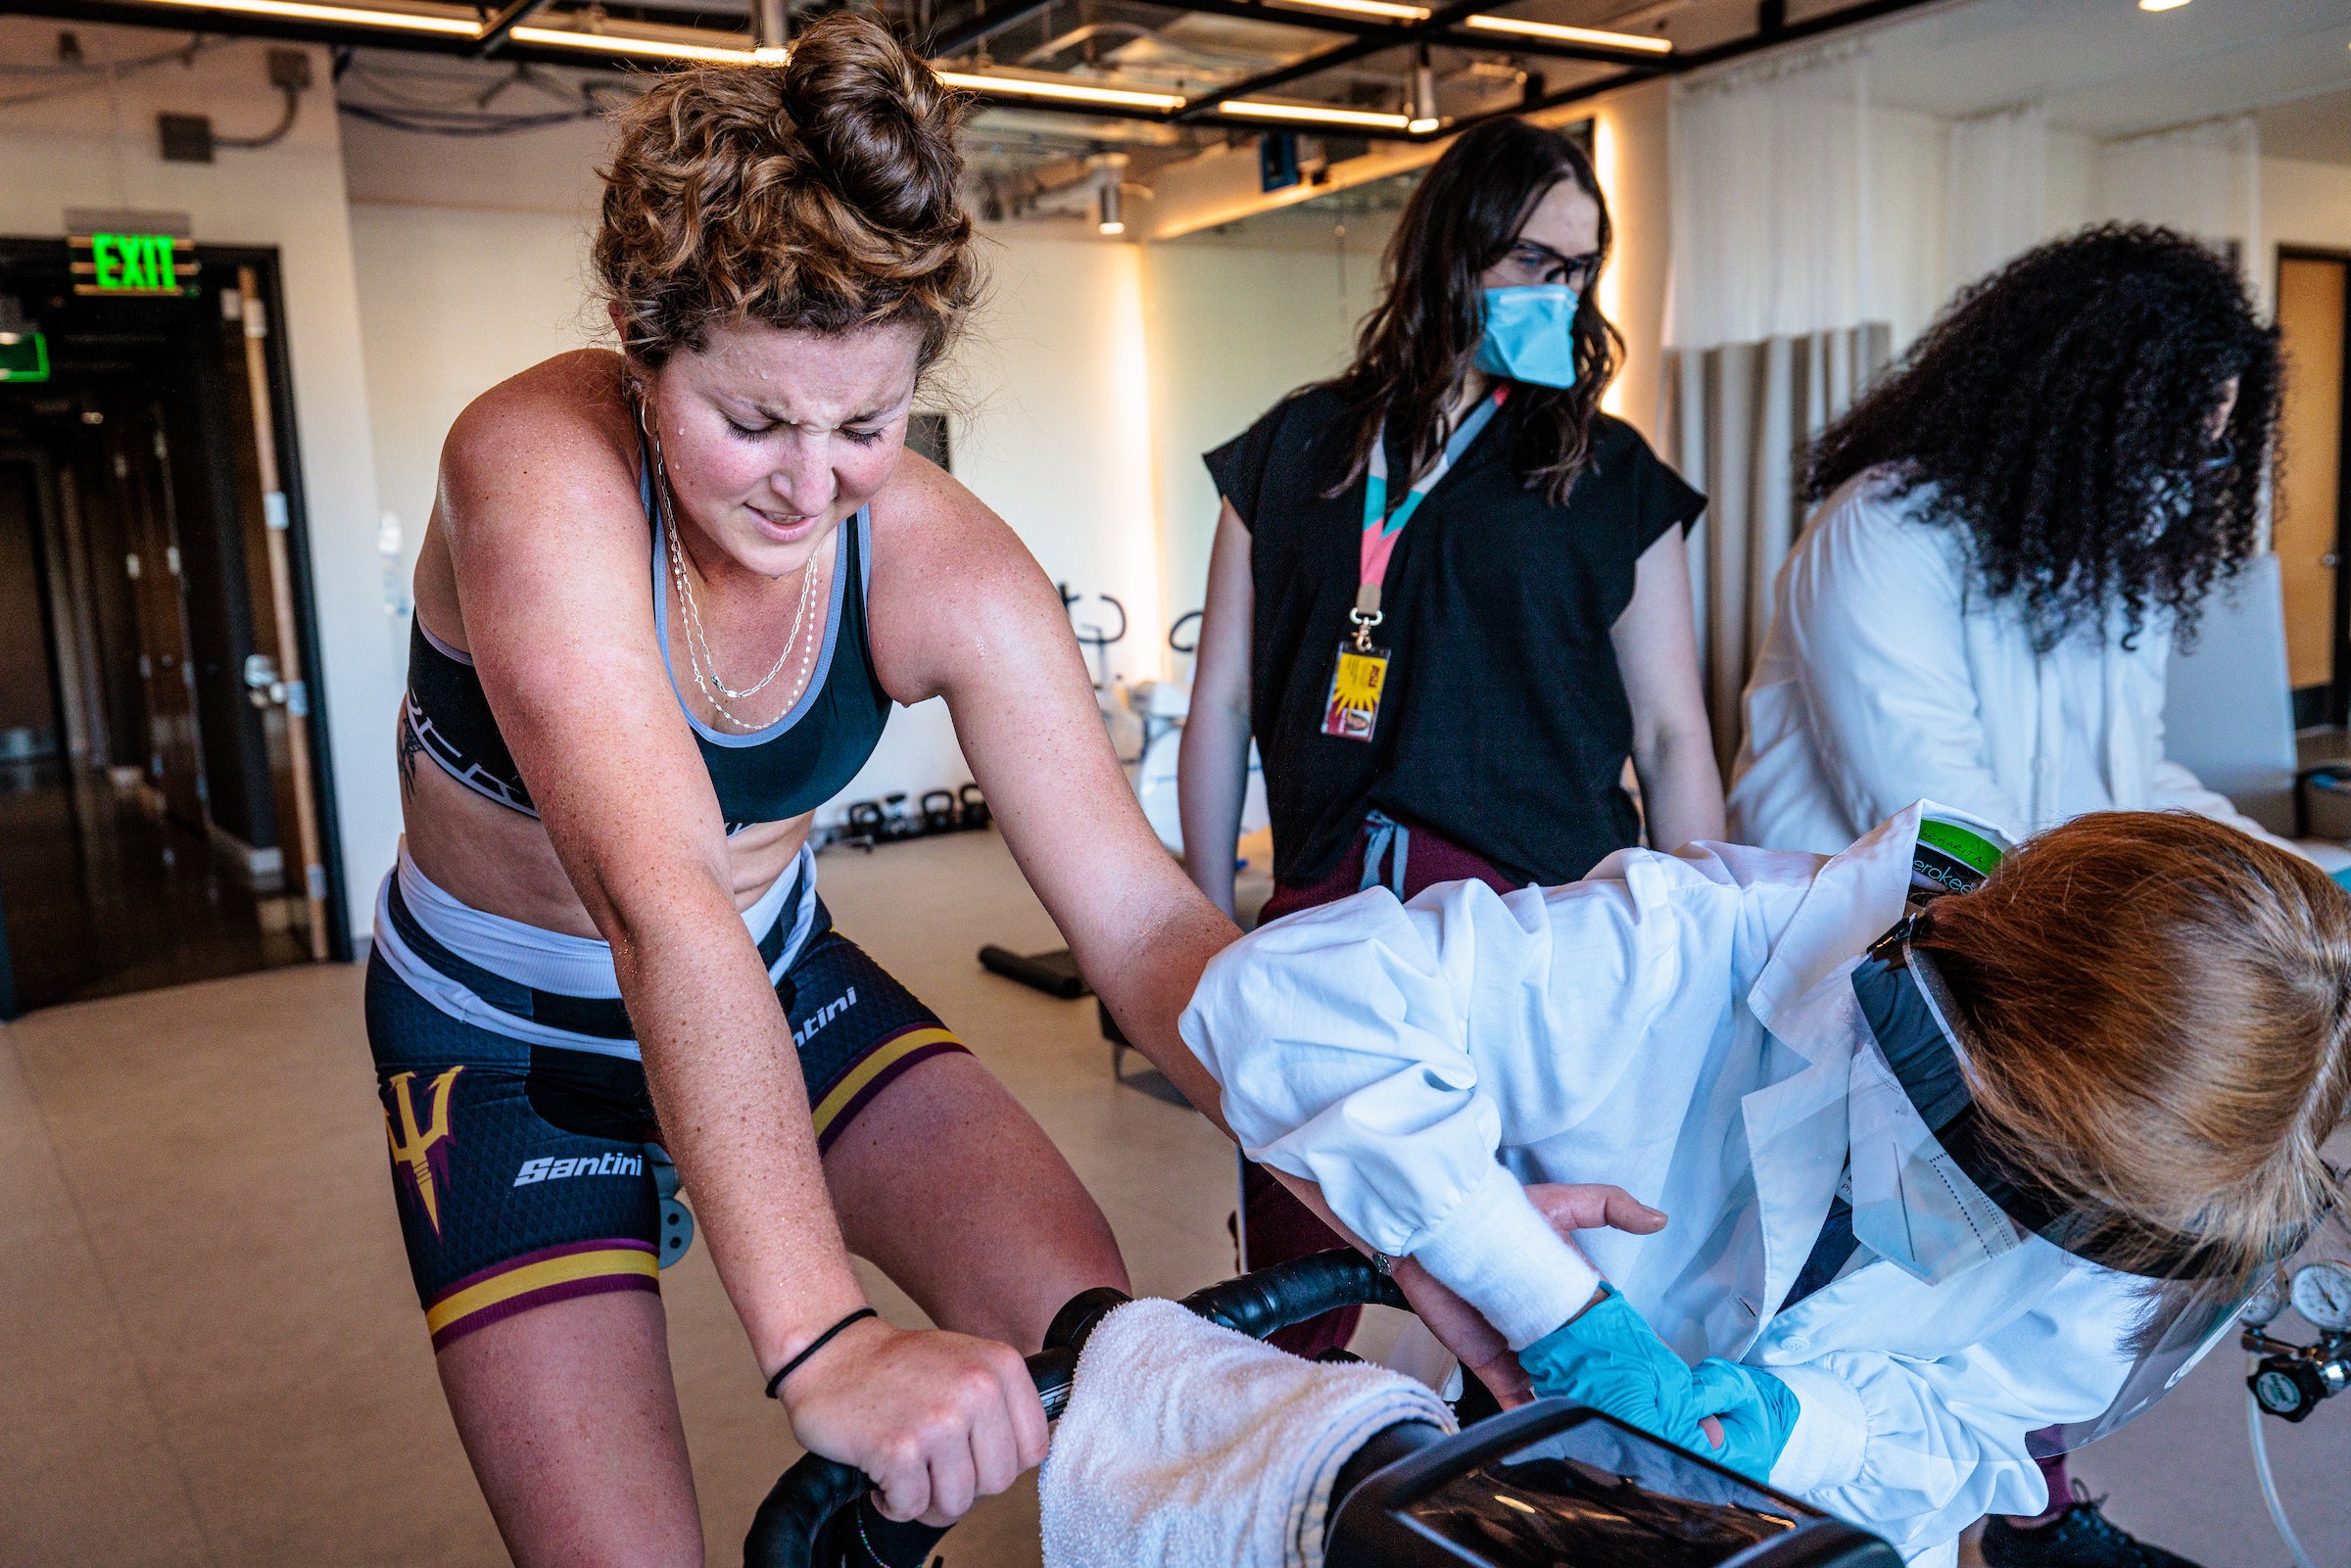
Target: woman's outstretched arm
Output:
[{"x": 961, "y": 610}]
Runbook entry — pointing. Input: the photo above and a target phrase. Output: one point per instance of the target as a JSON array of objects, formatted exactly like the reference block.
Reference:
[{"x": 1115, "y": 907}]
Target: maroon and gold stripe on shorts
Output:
[
  {"x": 536, "y": 1279},
  {"x": 875, "y": 1071}
]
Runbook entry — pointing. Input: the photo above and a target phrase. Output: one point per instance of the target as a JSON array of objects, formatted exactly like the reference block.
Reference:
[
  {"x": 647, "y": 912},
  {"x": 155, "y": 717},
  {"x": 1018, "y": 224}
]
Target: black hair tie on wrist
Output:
[{"x": 815, "y": 1345}]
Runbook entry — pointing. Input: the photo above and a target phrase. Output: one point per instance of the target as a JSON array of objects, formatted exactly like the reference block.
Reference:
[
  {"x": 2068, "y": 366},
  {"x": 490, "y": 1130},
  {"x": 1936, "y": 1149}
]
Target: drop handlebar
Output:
[{"x": 800, "y": 1523}]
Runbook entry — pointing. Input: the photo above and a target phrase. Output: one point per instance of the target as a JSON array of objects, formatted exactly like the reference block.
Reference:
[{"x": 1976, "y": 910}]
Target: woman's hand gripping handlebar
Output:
[
  {"x": 803, "y": 1522},
  {"x": 933, "y": 1420}
]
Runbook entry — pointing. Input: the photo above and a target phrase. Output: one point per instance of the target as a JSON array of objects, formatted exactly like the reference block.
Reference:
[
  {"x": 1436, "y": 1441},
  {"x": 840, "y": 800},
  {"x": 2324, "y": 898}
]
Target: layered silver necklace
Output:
[{"x": 699, "y": 658}]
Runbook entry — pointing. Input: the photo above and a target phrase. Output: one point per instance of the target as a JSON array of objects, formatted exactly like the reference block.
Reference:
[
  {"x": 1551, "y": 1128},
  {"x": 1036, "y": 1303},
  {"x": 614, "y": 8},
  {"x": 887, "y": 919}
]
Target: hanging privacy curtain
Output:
[
  {"x": 1769, "y": 200},
  {"x": 1737, "y": 418},
  {"x": 1996, "y": 192},
  {"x": 2203, "y": 180},
  {"x": 1766, "y": 325}
]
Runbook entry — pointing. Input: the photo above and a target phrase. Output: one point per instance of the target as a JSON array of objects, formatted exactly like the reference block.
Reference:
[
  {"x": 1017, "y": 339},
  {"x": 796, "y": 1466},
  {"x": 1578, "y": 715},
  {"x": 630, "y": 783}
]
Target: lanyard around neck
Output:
[{"x": 1382, "y": 527}]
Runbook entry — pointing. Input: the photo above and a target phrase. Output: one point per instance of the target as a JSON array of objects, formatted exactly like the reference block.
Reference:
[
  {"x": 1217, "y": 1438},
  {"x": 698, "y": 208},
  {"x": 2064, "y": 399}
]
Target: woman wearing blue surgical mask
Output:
[{"x": 1448, "y": 596}]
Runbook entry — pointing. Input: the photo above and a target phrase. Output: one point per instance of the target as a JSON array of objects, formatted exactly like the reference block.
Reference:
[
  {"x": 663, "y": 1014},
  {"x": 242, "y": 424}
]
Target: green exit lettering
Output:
[{"x": 132, "y": 261}]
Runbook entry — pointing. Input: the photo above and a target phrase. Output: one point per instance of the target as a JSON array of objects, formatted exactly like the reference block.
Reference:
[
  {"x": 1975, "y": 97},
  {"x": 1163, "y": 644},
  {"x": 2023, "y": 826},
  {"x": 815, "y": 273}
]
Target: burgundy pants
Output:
[{"x": 1278, "y": 1227}]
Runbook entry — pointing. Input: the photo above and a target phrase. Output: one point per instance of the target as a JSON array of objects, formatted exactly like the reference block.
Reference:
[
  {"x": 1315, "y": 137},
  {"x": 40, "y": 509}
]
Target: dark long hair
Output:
[
  {"x": 2059, "y": 405},
  {"x": 1416, "y": 343}
]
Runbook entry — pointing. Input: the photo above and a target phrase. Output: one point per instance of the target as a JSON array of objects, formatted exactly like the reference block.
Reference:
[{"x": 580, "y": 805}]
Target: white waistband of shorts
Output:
[{"x": 544, "y": 960}]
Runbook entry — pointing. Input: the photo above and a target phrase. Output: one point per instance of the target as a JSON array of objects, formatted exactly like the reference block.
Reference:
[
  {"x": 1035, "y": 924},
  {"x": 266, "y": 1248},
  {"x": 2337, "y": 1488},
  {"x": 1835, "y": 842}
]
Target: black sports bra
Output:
[{"x": 794, "y": 766}]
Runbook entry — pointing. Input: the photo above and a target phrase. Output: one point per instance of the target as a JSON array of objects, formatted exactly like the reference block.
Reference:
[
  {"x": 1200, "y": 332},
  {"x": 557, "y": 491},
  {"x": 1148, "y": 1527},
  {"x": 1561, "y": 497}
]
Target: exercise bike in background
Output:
[
  {"x": 1145, "y": 725},
  {"x": 1546, "y": 1484}
]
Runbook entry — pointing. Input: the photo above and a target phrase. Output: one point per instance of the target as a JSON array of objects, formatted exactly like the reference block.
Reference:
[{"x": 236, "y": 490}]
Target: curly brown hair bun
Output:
[{"x": 820, "y": 197}]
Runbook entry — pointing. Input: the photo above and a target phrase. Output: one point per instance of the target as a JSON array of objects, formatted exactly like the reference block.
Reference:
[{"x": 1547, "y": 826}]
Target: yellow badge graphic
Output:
[
  {"x": 422, "y": 1153},
  {"x": 1355, "y": 686}
]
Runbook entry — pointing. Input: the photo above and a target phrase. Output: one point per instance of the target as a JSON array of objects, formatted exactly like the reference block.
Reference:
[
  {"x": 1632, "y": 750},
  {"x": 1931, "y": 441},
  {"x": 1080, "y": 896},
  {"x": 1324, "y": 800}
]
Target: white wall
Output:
[
  {"x": 1629, "y": 156},
  {"x": 98, "y": 148},
  {"x": 1054, "y": 433},
  {"x": 1235, "y": 323},
  {"x": 2304, "y": 204},
  {"x": 455, "y": 301}
]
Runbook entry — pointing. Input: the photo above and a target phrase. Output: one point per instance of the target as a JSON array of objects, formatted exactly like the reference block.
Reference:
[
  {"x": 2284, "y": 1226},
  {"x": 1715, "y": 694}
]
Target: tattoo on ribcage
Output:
[{"x": 410, "y": 746}]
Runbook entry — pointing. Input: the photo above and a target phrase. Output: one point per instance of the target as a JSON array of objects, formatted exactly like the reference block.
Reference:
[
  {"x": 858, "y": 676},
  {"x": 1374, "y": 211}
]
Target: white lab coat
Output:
[
  {"x": 1888, "y": 675},
  {"x": 1684, "y": 1027}
]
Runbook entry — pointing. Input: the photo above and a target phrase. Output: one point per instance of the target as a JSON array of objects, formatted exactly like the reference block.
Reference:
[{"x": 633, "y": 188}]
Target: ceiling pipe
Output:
[
  {"x": 980, "y": 25},
  {"x": 495, "y": 32},
  {"x": 449, "y": 30}
]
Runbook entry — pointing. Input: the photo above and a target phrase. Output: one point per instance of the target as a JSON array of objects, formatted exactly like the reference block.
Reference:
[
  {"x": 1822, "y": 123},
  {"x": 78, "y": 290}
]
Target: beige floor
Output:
[{"x": 210, "y": 1352}]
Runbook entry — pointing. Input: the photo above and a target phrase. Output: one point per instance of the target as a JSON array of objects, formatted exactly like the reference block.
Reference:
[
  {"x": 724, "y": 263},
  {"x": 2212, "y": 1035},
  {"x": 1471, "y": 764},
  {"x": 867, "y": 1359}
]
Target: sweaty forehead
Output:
[
  {"x": 1567, "y": 220},
  {"x": 810, "y": 378}
]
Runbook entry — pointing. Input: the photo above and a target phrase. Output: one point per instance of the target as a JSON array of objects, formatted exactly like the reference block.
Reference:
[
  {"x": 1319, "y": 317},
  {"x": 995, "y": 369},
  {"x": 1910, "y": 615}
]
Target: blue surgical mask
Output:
[{"x": 1529, "y": 335}]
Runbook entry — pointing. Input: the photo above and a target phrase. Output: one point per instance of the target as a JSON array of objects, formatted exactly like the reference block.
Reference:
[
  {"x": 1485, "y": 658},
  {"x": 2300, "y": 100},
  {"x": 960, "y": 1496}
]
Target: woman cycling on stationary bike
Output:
[{"x": 604, "y": 928}]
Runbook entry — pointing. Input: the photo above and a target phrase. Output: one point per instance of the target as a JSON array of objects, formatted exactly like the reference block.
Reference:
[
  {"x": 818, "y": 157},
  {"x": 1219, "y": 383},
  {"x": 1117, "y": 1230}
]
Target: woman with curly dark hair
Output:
[
  {"x": 2013, "y": 527},
  {"x": 2012, "y": 530}
]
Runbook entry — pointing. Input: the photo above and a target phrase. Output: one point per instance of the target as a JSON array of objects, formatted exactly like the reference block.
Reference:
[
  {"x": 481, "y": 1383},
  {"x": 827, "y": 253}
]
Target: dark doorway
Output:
[{"x": 163, "y": 797}]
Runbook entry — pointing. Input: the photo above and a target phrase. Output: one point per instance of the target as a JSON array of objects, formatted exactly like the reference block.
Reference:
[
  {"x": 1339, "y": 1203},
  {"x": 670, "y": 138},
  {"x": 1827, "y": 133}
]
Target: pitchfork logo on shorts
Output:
[{"x": 422, "y": 1153}]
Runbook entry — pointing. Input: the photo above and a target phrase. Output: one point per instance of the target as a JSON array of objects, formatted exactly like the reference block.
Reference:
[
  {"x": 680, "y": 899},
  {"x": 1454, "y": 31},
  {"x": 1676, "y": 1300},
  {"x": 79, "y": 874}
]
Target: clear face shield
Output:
[{"x": 1933, "y": 1193}]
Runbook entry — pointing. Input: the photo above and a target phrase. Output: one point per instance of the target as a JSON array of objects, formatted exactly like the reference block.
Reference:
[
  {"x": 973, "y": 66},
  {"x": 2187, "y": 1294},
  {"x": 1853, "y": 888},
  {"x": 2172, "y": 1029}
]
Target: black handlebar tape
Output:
[
  {"x": 785, "y": 1530},
  {"x": 1256, "y": 1305},
  {"x": 810, "y": 1519},
  {"x": 1075, "y": 1323}
]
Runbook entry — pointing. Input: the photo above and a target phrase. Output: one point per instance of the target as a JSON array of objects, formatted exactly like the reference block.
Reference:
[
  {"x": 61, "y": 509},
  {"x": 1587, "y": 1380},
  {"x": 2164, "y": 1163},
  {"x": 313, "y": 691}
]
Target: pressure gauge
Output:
[
  {"x": 2263, "y": 1307},
  {"x": 2321, "y": 1294}
]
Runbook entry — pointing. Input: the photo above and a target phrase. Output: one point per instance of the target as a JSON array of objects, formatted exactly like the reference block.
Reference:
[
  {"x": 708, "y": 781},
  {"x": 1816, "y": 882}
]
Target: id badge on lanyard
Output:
[{"x": 1359, "y": 677}]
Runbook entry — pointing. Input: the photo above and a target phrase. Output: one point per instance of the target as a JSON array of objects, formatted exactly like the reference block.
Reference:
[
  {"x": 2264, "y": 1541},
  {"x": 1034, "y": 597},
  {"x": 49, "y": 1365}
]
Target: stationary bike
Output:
[{"x": 1547, "y": 1484}]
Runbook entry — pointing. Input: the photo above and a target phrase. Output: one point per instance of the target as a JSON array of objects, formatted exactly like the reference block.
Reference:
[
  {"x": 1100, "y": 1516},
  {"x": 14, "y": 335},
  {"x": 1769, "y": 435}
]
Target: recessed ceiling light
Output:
[{"x": 2161, "y": 5}]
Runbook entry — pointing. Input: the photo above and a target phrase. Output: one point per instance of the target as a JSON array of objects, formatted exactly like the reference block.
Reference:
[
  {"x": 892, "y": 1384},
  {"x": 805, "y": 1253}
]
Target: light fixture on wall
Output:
[{"x": 1597, "y": 37}]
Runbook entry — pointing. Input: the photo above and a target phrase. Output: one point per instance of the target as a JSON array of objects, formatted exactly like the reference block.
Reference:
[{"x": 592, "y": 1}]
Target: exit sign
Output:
[
  {"x": 110, "y": 262},
  {"x": 24, "y": 357}
]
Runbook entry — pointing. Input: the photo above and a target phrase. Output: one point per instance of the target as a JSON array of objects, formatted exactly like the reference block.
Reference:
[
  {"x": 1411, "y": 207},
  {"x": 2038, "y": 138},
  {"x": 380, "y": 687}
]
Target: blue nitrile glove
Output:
[
  {"x": 1757, "y": 1411},
  {"x": 1610, "y": 1359},
  {"x": 2342, "y": 879}
]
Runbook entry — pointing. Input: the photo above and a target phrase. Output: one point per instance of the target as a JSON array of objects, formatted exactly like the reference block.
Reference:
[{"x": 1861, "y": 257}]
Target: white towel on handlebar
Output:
[{"x": 1188, "y": 1445}]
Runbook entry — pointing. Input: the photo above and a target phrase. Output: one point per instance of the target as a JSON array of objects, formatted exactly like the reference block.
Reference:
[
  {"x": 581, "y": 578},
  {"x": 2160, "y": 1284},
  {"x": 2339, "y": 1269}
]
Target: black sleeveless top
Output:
[{"x": 792, "y": 766}]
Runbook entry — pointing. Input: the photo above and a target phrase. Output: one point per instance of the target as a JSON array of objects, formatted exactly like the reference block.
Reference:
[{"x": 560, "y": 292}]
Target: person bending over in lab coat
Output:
[
  {"x": 1939, "y": 1172},
  {"x": 2012, "y": 530}
]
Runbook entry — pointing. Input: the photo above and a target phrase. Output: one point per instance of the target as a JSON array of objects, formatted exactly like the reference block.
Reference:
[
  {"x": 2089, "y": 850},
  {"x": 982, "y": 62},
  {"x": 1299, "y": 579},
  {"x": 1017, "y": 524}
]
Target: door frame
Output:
[
  {"x": 222, "y": 261},
  {"x": 2336, "y": 703},
  {"x": 48, "y": 254},
  {"x": 42, "y": 528}
]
